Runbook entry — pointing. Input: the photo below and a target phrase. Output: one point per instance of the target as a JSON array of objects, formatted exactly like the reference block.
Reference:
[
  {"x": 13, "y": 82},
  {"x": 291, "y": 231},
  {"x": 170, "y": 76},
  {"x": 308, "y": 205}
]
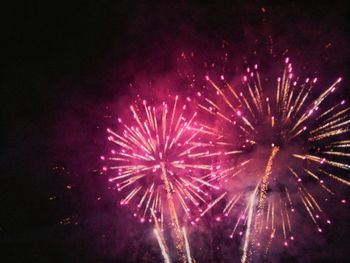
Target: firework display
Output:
[
  {"x": 175, "y": 131},
  {"x": 275, "y": 153},
  {"x": 302, "y": 138}
]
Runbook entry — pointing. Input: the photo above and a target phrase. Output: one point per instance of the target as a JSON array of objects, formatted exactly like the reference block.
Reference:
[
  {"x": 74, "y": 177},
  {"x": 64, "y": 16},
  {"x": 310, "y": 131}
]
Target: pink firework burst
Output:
[{"x": 161, "y": 159}]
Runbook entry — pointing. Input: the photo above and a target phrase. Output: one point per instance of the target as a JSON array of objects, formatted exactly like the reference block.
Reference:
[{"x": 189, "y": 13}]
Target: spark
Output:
[{"x": 213, "y": 203}]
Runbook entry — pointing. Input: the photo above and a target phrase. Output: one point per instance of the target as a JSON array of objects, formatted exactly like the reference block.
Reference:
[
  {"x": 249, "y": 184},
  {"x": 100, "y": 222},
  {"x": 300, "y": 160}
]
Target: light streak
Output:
[
  {"x": 162, "y": 246},
  {"x": 249, "y": 226},
  {"x": 187, "y": 246}
]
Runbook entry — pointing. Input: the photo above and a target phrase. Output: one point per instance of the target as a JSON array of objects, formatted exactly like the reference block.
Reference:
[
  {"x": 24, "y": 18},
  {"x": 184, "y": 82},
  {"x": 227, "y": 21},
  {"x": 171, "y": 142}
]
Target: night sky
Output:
[{"x": 66, "y": 63}]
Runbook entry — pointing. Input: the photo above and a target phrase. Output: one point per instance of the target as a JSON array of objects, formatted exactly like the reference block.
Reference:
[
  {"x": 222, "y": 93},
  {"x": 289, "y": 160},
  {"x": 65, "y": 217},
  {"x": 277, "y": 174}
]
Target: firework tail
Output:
[
  {"x": 187, "y": 246},
  {"x": 162, "y": 245},
  {"x": 269, "y": 242},
  {"x": 262, "y": 194},
  {"x": 263, "y": 189},
  {"x": 161, "y": 240},
  {"x": 246, "y": 251},
  {"x": 173, "y": 215}
]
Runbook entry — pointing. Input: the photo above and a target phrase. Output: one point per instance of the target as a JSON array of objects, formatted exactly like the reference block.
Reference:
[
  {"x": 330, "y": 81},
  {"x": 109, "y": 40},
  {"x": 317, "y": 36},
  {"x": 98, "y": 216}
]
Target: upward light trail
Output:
[{"x": 263, "y": 187}]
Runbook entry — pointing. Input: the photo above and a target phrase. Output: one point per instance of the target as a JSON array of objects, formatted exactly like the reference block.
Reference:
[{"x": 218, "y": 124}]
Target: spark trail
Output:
[
  {"x": 263, "y": 187},
  {"x": 248, "y": 230},
  {"x": 187, "y": 245},
  {"x": 173, "y": 214},
  {"x": 162, "y": 246}
]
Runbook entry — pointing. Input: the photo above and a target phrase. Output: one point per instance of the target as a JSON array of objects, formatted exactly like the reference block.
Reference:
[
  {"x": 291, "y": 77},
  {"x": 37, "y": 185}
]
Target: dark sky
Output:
[{"x": 63, "y": 62}]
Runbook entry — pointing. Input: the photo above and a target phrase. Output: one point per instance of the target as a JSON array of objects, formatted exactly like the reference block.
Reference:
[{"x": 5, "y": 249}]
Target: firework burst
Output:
[
  {"x": 161, "y": 161},
  {"x": 304, "y": 145}
]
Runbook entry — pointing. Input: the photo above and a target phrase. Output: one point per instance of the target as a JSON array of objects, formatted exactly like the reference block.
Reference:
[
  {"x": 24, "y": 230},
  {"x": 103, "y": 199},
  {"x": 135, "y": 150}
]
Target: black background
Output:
[{"x": 63, "y": 61}]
